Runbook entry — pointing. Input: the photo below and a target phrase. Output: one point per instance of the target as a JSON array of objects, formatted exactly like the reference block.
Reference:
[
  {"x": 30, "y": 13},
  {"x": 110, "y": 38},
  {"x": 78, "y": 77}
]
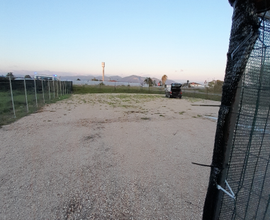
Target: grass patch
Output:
[
  {"x": 145, "y": 118},
  {"x": 202, "y": 94},
  {"x": 197, "y": 116},
  {"x": 181, "y": 113},
  {"x": 84, "y": 89}
]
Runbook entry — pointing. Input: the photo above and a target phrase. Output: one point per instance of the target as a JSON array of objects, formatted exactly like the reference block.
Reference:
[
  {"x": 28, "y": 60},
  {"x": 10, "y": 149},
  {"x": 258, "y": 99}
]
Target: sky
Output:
[{"x": 186, "y": 40}]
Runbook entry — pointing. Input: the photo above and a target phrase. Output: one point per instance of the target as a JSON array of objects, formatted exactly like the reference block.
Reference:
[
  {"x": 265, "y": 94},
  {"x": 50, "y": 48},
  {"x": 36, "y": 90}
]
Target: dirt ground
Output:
[{"x": 108, "y": 156}]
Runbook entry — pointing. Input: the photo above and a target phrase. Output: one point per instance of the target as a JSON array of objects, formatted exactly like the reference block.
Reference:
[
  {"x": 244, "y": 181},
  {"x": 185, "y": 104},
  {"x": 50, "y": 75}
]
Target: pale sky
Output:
[{"x": 179, "y": 38}]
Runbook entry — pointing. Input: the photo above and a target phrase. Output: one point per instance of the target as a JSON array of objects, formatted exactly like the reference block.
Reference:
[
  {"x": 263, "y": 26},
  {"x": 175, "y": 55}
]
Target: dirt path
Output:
[{"x": 101, "y": 156}]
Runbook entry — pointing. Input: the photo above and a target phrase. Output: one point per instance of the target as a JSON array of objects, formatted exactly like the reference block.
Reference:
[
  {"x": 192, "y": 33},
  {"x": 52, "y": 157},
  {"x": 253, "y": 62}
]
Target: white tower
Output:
[{"x": 103, "y": 67}]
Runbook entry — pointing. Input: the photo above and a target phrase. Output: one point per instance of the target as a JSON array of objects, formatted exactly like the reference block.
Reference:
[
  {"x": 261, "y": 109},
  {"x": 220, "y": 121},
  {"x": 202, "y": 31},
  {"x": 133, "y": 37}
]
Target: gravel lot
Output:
[{"x": 108, "y": 156}]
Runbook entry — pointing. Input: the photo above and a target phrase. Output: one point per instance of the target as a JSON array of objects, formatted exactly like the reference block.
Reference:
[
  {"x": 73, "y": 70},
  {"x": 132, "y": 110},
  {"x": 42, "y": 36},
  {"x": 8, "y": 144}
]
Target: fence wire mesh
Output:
[
  {"x": 20, "y": 97},
  {"x": 242, "y": 145}
]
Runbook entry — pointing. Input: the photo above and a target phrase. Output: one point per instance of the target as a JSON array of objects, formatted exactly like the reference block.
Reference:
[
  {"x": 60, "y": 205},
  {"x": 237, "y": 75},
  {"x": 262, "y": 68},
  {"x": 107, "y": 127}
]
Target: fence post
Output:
[
  {"x": 42, "y": 90},
  {"x": 49, "y": 90},
  {"x": 64, "y": 88},
  {"x": 35, "y": 92},
  {"x": 57, "y": 88},
  {"x": 61, "y": 88},
  {"x": 25, "y": 93},
  {"x": 11, "y": 93},
  {"x": 53, "y": 90}
]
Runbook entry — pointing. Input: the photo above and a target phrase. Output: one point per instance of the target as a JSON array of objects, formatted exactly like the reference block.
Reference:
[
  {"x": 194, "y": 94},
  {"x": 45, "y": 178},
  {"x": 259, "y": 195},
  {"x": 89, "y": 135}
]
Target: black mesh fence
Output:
[
  {"x": 248, "y": 172},
  {"x": 20, "y": 97},
  {"x": 239, "y": 185}
]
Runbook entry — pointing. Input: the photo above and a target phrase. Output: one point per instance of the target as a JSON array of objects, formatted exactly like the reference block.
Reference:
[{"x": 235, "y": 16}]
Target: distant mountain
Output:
[
  {"x": 73, "y": 78},
  {"x": 70, "y": 77},
  {"x": 130, "y": 79},
  {"x": 133, "y": 79}
]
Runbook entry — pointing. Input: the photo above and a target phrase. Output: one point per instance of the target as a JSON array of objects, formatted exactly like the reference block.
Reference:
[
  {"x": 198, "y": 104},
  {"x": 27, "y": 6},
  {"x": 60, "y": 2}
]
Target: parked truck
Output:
[{"x": 173, "y": 90}]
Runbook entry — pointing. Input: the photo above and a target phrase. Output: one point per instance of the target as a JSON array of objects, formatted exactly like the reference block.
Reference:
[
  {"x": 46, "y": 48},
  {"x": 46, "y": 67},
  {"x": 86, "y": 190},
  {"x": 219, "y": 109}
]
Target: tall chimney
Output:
[{"x": 103, "y": 67}]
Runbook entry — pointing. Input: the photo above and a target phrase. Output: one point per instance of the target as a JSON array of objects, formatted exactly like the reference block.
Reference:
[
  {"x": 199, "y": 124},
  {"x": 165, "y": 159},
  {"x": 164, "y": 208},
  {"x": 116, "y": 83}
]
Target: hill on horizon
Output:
[
  {"x": 130, "y": 79},
  {"x": 69, "y": 76}
]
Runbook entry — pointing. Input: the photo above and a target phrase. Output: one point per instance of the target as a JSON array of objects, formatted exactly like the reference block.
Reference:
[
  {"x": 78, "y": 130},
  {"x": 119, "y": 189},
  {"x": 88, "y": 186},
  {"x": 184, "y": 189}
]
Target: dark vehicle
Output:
[{"x": 174, "y": 90}]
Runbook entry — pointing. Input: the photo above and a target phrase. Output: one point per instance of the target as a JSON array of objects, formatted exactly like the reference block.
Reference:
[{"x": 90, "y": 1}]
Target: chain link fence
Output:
[
  {"x": 205, "y": 93},
  {"x": 21, "y": 97}
]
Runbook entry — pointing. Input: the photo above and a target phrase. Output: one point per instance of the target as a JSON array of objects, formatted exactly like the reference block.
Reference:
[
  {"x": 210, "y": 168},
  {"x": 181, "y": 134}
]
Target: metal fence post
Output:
[
  {"x": 35, "y": 92},
  {"x": 11, "y": 93},
  {"x": 25, "y": 93},
  {"x": 42, "y": 90},
  {"x": 49, "y": 90},
  {"x": 61, "y": 88},
  {"x": 53, "y": 90},
  {"x": 57, "y": 88}
]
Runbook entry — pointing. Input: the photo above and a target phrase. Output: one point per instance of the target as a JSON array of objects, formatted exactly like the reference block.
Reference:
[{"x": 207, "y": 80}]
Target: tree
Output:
[
  {"x": 148, "y": 81},
  {"x": 218, "y": 86},
  {"x": 212, "y": 83},
  {"x": 27, "y": 77},
  {"x": 10, "y": 74},
  {"x": 3, "y": 78},
  {"x": 164, "y": 79},
  {"x": 215, "y": 85}
]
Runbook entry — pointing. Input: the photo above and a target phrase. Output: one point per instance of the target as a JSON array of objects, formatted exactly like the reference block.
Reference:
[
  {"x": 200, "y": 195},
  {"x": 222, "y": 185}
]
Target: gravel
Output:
[{"x": 101, "y": 156}]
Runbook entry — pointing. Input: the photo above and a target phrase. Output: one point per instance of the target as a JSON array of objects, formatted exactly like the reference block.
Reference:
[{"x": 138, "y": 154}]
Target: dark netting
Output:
[
  {"x": 242, "y": 144},
  {"x": 248, "y": 172}
]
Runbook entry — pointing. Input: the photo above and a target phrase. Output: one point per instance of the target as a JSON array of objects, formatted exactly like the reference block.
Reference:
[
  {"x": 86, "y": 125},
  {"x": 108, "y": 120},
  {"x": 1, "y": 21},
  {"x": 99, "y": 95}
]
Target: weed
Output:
[
  {"x": 145, "y": 118},
  {"x": 181, "y": 113}
]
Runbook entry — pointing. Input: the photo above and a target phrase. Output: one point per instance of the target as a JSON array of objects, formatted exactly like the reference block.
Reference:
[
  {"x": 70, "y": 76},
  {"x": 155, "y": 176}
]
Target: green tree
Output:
[
  {"x": 27, "y": 77},
  {"x": 218, "y": 86},
  {"x": 212, "y": 83},
  {"x": 10, "y": 74},
  {"x": 215, "y": 85},
  {"x": 148, "y": 81}
]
